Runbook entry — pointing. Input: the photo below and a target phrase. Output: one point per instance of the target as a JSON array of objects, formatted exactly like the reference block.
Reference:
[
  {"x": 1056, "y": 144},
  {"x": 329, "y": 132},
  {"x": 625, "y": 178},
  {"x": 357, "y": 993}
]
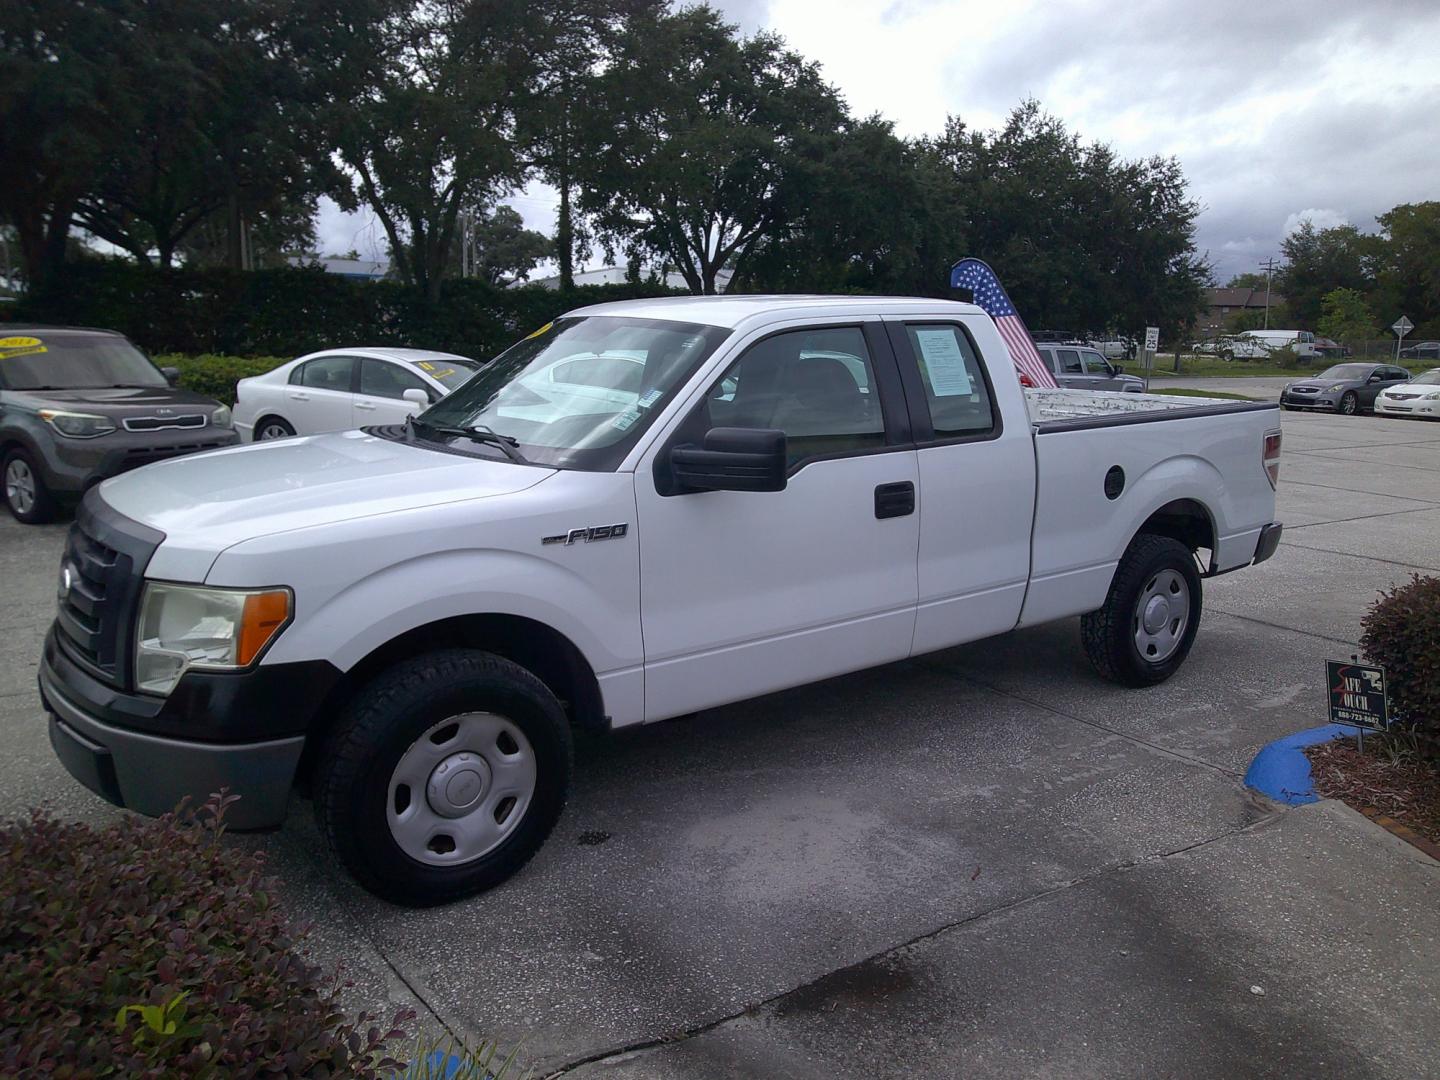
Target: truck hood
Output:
[{"x": 206, "y": 502}]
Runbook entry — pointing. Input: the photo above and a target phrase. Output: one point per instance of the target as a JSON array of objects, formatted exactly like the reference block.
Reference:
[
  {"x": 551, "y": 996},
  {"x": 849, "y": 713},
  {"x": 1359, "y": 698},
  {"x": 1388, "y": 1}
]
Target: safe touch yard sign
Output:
[{"x": 1357, "y": 694}]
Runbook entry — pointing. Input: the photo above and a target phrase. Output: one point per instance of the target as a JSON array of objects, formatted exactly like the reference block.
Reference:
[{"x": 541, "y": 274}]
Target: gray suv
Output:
[
  {"x": 1078, "y": 367},
  {"x": 78, "y": 406}
]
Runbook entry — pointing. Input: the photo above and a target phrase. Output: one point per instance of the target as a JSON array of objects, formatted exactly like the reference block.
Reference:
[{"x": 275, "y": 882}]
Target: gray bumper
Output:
[{"x": 151, "y": 774}]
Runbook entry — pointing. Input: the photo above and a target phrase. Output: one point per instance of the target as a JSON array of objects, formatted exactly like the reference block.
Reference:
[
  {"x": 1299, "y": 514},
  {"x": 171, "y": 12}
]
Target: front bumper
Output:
[
  {"x": 128, "y": 749},
  {"x": 1326, "y": 402},
  {"x": 1415, "y": 407}
]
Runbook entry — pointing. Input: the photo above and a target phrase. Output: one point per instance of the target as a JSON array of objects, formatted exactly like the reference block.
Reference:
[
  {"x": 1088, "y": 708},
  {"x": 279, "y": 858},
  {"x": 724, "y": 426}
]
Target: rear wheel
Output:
[
  {"x": 272, "y": 427},
  {"x": 1350, "y": 403},
  {"x": 30, "y": 501},
  {"x": 444, "y": 777},
  {"x": 1144, "y": 632}
]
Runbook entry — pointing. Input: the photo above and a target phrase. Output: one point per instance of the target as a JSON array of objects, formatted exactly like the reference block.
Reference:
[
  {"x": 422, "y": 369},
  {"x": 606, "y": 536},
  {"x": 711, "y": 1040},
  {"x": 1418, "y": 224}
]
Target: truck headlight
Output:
[
  {"x": 76, "y": 425},
  {"x": 220, "y": 417},
  {"x": 188, "y": 626}
]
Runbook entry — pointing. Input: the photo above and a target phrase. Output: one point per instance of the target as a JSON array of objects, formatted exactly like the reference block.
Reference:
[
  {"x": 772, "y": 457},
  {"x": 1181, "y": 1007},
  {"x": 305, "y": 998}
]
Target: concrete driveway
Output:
[{"x": 981, "y": 863}]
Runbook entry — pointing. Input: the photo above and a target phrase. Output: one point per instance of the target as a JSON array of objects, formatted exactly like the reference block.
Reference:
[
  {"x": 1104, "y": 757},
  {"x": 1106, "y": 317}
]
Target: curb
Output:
[{"x": 1281, "y": 771}]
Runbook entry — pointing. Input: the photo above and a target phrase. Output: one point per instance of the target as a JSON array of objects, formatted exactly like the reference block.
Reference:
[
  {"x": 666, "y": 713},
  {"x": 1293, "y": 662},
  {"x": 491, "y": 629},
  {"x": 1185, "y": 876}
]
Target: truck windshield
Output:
[
  {"x": 579, "y": 392},
  {"x": 56, "y": 360}
]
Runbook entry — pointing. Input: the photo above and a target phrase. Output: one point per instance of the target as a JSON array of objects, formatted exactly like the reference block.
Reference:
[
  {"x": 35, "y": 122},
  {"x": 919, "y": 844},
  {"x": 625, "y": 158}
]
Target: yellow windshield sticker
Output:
[
  {"x": 542, "y": 330},
  {"x": 427, "y": 365},
  {"x": 444, "y": 374},
  {"x": 20, "y": 346}
]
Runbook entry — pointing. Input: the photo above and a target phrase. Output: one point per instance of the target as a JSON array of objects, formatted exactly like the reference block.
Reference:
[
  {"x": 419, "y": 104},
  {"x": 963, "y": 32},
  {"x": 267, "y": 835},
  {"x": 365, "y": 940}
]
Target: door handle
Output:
[
  {"x": 295, "y": 396},
  {"x": 365, "y": 405},
  {"x": 895, "y": 500}
]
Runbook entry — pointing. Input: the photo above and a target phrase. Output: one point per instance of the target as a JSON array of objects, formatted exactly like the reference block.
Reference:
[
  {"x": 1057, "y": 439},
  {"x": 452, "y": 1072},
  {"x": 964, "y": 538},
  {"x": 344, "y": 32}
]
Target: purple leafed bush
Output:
[
  {"x": 151, "y": 948},
  {"x": 1402, "y": 634}
]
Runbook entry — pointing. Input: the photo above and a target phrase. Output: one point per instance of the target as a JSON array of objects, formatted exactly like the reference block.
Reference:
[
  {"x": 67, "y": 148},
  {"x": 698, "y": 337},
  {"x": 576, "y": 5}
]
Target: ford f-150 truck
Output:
[{"x": 642, "y": 510}]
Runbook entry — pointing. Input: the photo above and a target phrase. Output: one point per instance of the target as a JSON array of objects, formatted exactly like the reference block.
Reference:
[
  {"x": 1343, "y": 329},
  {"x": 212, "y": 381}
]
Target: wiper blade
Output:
[{"x": 482, "y": 434}]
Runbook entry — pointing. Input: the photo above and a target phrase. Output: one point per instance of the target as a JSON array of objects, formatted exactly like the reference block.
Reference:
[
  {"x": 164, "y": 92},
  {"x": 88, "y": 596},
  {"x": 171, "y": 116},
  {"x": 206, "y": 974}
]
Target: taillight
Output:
[
  {"x": 1026, "y": 381},
  {"x": 1271, "y": 457}
]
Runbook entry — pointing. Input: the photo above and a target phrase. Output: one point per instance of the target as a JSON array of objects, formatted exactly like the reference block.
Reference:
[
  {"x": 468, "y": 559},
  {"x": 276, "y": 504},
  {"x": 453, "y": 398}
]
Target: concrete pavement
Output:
[{"x": 983, "y": 862}]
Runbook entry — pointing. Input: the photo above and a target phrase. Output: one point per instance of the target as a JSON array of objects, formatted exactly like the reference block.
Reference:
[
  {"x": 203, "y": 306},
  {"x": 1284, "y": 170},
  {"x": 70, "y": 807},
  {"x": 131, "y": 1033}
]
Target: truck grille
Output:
[
  {"x": 99, "y": 588},
  {"x": 163, "y": 423}
]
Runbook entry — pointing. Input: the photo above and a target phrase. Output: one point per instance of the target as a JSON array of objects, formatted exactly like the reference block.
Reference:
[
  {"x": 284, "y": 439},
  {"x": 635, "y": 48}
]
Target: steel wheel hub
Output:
[
  {"x": 461, "y": 789},
  {"x": 1162, "y": 616},
  {"x": 19, "y": 486}
]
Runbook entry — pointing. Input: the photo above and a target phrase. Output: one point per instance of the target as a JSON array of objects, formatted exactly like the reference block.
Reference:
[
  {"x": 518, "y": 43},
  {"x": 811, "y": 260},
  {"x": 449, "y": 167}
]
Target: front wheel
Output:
[
  {"x": 444, "y": 777},
  {"x": 1350, "y": 403},
  {"x": 1144, "y": 632},
  {"x": 25, "y": 492}
]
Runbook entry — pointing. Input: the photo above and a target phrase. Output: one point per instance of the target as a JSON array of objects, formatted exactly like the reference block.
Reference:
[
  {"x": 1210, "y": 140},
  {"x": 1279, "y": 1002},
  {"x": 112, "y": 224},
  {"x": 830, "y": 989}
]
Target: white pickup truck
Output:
[{"x": 639, "y": 511}]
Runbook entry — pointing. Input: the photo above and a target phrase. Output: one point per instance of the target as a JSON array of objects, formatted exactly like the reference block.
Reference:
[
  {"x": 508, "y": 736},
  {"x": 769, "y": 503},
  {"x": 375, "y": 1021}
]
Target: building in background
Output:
[{"x": 1222, "y": 305}]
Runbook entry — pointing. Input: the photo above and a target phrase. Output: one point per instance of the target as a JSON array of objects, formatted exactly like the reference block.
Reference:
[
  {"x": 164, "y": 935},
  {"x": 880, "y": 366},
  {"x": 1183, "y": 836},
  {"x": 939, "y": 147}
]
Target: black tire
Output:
[
  {"x": 1228, "y": 354},
  {"x": 1109, "y": 634},
  {"x": 388, "y": 716},
  {"x": 41, "y": 505},
  {"x": 283, "y": 428},
  {"x": 1349, "y": 403},
  {"x": 1288, "y": 408}
]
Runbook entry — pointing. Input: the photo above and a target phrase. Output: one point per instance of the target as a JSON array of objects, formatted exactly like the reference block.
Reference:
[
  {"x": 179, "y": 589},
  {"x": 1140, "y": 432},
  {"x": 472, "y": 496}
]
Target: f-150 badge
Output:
[{"x": 594, "y": 532}]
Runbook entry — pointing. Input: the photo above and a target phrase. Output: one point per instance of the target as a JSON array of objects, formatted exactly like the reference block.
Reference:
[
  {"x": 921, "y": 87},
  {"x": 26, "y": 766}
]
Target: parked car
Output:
[
  {"x": 1084, "y": 368},
  {"x": 1327, "y": 349},
  {"x": 1116, "y": 347},
  {"x": 338, "y": 389},
  {"x": 1422, "y": 350},
  {"x": 1343, "y": 388},
  {"x": 79, "y": 405},
  {"x": 1420, "y": 397},
  {"x": 408, "y": 621}
]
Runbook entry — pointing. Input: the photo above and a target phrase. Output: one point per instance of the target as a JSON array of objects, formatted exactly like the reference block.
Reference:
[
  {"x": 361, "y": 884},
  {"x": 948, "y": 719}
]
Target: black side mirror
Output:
[
  {"x": 172, "y": 374},
  {"x": 732, "y": 459}
]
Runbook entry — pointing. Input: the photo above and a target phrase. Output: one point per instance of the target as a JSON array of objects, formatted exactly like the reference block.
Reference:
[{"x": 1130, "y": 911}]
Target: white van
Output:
[{"x": 1302, "y": 341}]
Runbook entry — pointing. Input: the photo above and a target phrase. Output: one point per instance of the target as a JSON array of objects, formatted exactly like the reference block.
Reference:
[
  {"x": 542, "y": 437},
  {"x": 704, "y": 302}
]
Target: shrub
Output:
[
  {"x": 150, "y": 948},
  {"x": 290, "y": 311},
  {"x": 1285, "y": 358},
  {"x": 216, "y": 376},
  {"x": 1402, "y": 634}
]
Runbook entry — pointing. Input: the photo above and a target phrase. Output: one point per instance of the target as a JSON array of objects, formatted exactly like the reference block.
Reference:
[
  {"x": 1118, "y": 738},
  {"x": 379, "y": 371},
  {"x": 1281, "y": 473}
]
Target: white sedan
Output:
[
  {"x": 339, "y": 389},
  {"x": 1420, "y": 397}
]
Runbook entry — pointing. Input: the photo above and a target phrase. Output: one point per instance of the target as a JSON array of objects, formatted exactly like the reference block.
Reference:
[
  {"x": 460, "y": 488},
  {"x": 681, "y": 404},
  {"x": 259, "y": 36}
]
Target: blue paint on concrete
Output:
[
  {"x": 438, "y": 1066},
  {"x": 1282, "y": 771}
]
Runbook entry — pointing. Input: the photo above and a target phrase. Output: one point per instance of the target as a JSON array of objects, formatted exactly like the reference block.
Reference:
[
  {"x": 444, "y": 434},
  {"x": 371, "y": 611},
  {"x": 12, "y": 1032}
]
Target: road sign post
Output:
[
  {"x": 1401, "y": 326},
  {"x": 1147, "y": 358}
]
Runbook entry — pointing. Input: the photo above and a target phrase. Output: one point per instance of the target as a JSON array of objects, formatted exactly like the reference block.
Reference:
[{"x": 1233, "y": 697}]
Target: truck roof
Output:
[{"x": 731, "y": 311}]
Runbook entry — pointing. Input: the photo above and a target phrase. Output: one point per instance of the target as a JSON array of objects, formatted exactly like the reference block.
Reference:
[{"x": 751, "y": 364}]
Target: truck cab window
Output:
[
  {"x": 817, "y": 386},
  {"x": 955, "y": 387}
]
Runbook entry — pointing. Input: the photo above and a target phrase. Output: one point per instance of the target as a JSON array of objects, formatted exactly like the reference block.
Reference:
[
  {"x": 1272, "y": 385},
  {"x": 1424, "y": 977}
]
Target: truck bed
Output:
[{"x": 1066, "y": 410}]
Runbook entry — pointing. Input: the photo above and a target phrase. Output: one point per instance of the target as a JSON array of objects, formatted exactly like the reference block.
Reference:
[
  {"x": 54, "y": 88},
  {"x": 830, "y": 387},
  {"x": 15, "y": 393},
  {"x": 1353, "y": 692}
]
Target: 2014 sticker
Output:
[{"x": 20, "y": 346}]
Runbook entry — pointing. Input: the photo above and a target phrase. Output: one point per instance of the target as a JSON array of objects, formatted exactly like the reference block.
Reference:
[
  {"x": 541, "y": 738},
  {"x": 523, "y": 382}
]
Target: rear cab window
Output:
[{"x": 955, "y": 383}]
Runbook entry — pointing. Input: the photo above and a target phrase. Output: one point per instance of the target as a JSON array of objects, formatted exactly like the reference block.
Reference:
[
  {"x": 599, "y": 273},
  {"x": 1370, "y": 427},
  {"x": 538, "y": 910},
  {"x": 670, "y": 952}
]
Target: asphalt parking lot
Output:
[{"x": 982, "y": 863}]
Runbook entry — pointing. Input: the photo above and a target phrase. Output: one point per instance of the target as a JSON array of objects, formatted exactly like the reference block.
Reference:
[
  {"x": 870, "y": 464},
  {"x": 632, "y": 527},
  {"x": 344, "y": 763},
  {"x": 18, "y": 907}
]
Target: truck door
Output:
[
  {"x": 977, "y": 486},
  {"x": 742, "y": 592}
]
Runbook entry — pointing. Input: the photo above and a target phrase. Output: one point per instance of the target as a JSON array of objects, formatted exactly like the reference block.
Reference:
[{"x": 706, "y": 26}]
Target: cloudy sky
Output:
[{"x": 1278, "y": 110}]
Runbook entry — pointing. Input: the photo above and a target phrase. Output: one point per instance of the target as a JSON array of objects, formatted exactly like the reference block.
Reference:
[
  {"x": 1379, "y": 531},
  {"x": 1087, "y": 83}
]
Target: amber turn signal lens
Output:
[{"x": 265, "y": 613}]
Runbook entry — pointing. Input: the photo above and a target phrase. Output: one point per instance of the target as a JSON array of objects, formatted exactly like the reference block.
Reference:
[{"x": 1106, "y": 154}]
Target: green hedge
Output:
[
  {"x": 216, "y": 376},
  {"x": 293, "y": 311}
]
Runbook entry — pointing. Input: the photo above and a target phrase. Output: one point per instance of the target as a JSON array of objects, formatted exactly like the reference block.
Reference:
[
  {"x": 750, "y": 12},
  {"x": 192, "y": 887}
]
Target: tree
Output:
[
  {"x": 1081, "y": 238},
  {"x": 582, "y": 36},
  {"x": 688, "y": 138},
  {"x": 1318, "y": 261},
  {"x": 864, "y": 211},
  {"x": 1345, "y": 316},
  {"x": 502, "y": 249},
  {"x": 1247, "y": 281},
  {"x": 56, "y": 61},
  {"x": 1407, "y": 264}
]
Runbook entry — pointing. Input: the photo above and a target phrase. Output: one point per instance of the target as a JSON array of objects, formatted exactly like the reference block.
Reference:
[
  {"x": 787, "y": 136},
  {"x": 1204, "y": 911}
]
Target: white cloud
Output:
[{"x": 1321, "y": 219}]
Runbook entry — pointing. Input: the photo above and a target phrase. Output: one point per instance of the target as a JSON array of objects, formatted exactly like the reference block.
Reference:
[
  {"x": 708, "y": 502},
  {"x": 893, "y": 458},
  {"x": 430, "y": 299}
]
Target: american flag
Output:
[{"x": 990, "y": 295}]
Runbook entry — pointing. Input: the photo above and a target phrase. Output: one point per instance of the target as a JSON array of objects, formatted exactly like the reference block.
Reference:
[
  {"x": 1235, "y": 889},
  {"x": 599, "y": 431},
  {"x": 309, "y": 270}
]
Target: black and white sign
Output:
[
  {"x": 1357, "y": 694},
  {"x": 1402, "y": 326},
  {"x": 1152, "y": 338}
]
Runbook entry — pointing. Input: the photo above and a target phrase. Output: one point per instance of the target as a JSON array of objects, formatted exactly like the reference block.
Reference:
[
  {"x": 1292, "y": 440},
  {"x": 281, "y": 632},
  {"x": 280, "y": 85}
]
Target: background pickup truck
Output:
[{"x": 639, "y": 511}]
